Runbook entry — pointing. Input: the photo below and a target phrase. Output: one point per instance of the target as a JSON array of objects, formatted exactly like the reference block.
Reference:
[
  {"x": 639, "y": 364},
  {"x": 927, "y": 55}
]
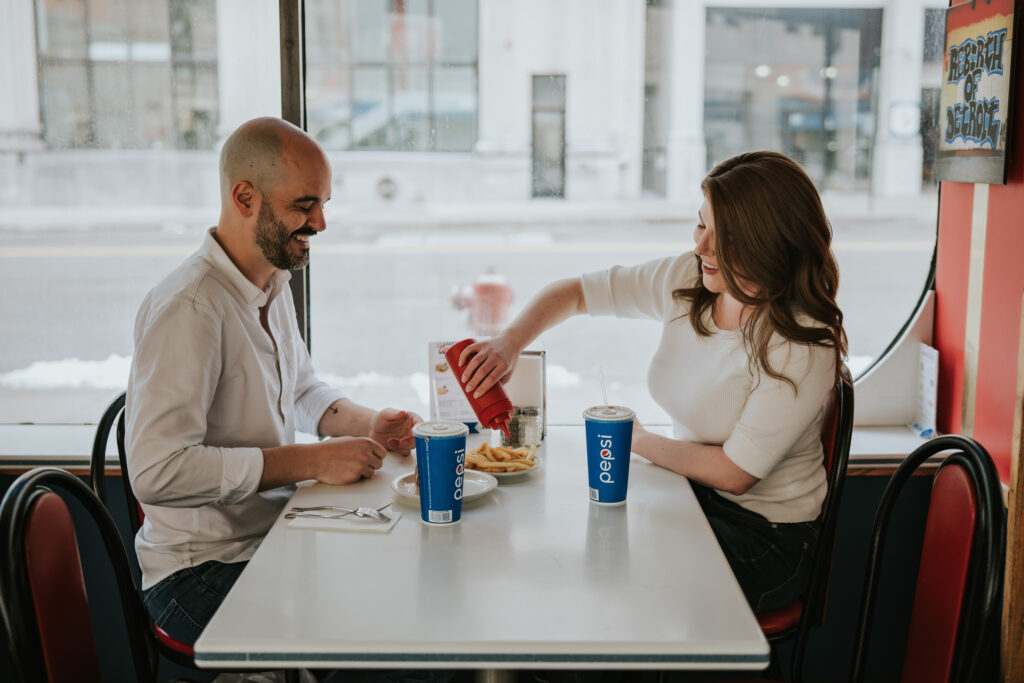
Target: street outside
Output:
[{"x": 381, "y": 288}]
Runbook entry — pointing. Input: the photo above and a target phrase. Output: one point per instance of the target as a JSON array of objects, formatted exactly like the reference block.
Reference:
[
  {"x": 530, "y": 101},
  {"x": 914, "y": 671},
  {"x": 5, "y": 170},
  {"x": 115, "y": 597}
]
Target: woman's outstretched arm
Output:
[{"x": 490, "y": 361}]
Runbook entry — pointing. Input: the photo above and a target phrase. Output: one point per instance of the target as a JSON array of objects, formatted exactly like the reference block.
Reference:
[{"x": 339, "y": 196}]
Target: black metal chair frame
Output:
[
  {"x": 816, "y": 596},
  {"x": 980, "y": 607},
  {"x": 19, "y": 614},
  {"x": 113, "y": 418}
]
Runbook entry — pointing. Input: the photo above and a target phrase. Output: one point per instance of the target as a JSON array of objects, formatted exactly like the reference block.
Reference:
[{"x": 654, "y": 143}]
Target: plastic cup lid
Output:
[
  {"x": 608, "y": 413},
  {"x": 440, "y": 429}
]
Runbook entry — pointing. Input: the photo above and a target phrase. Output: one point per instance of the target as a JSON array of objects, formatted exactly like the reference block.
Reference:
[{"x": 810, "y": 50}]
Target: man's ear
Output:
[{"x": 243, "y": 196}]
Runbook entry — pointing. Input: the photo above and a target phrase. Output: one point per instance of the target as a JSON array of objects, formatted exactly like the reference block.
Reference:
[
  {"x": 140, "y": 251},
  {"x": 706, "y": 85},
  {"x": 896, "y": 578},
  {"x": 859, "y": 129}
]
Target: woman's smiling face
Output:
[{"x": 704, "y": 236}]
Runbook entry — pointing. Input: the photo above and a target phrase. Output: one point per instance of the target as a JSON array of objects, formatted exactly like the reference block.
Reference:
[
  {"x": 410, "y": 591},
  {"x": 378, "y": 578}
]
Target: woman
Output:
[{"x": 752, "y": 342}]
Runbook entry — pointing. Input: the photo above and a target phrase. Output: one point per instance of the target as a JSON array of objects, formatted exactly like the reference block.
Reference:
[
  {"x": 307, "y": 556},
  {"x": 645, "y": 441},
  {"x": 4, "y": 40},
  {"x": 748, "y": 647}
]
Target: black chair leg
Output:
[{"x": 774, "y": 671}]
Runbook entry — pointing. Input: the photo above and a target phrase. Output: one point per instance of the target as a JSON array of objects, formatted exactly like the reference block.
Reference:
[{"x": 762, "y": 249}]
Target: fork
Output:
[{"x": 358, "y": 512}]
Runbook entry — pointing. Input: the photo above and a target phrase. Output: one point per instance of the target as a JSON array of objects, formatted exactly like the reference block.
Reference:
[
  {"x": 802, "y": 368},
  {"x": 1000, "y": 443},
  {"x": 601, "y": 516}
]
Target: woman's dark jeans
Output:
[{"x": 771, "y": 561}]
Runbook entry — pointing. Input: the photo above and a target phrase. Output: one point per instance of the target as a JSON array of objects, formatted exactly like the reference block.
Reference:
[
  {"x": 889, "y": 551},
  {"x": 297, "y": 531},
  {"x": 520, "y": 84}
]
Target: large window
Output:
[
  {"x": 392, "y": 74},
  {"x": 802, "y": 84},
  {"x": 128, "y": 74},
  {"x": 108, "y": 169},
  {"x": 807, "y": 83}
]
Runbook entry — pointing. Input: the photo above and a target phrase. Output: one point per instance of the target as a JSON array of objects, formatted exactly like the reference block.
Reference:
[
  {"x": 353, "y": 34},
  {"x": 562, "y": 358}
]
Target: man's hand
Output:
[
  {"x": 393, "y": 429},
  {"x": 347, "y": 459}
]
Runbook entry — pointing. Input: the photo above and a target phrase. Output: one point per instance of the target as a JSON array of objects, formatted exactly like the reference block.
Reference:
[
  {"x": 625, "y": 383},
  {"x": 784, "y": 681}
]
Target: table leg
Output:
[{"x": 496, "y": 676}]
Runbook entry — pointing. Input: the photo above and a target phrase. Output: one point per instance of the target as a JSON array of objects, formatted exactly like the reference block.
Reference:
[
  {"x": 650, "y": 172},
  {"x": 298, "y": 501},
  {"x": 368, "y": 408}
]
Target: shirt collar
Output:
[{"x": 214, "y": 254}]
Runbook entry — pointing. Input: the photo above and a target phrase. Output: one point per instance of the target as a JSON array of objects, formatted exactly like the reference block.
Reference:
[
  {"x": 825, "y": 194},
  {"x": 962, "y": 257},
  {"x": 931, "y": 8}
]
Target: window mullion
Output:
[{"x": 293, "y": 109}]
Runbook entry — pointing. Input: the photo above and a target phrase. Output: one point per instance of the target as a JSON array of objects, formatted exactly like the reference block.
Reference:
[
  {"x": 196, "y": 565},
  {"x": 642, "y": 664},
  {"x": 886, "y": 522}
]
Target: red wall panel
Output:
[
  {"x": 1001, "y": 301},
  {"x": 1002, "y": 289},
  {"x": 952, "y": 266}
]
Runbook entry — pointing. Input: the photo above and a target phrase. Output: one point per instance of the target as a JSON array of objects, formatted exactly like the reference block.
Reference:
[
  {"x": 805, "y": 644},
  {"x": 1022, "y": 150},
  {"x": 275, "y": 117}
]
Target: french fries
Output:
[{"x": 488, "y": 458}]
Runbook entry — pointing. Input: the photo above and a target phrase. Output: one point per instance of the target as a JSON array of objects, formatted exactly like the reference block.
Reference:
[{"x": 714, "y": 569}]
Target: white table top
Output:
[{"x": 534, "y": 576}]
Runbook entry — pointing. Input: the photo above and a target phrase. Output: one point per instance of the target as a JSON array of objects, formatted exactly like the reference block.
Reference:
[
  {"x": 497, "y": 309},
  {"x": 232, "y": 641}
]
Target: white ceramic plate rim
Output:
[{"x": 476, "y": 484}]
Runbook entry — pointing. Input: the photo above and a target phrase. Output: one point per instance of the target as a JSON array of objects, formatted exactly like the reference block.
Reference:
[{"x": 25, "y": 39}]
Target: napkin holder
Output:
[{"x": 527, "y": 387}]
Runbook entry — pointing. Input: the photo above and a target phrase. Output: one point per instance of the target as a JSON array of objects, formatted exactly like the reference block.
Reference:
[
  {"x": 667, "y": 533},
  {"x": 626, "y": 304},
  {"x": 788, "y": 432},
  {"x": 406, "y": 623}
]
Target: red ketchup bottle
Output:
[{"x": 493, "y": 409}]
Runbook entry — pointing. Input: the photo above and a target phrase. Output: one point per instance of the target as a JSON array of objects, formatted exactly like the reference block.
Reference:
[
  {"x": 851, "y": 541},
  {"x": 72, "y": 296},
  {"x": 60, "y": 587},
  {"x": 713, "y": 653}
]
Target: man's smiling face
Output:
[
  {"x": 293, "y": 213},
  {"x": 284, "y": 247}
]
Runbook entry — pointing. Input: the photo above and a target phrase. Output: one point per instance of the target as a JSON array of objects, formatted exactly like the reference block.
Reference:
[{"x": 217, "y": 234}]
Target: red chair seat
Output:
[
  {"x": 781, "y": 620},
  {"x": 172, "y": 643}
]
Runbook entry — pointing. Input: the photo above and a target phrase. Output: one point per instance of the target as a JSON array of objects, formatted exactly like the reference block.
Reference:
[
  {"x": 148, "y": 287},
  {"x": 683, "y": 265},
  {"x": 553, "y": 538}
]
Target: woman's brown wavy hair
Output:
[{"x": 771, "y": 232}]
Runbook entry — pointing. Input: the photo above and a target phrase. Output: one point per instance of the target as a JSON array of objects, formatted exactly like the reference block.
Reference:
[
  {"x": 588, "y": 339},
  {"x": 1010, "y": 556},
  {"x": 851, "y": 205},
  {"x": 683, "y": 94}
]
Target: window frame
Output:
[{"x": 293, "y": 109}]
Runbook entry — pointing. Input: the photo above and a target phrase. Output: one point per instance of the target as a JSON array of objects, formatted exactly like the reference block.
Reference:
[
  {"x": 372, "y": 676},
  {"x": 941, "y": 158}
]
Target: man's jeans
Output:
[{"x": 184, "y": 602}]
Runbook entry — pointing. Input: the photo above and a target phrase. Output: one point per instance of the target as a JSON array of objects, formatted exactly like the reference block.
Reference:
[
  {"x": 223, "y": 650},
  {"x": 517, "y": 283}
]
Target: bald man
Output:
[{"x": 220, "y": 381}]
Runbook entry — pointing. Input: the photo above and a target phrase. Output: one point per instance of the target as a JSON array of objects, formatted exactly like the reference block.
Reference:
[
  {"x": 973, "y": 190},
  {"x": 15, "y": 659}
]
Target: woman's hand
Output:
[
  {"x": 645, "y": 443},
  {"x": 488, "y": 362},
  {"x": 639, "y": 434},
  {"x": 393, "y": 429}
]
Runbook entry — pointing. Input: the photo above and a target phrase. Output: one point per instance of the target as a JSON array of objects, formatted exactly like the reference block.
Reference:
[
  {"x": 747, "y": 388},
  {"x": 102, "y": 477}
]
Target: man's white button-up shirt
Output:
[{"x": 209, "y": 388}]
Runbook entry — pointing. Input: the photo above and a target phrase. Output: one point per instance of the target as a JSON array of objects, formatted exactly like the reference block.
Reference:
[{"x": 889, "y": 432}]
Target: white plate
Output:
[
  {"x": 537, "y": 464},
  {"x": 474, "y": 485}
]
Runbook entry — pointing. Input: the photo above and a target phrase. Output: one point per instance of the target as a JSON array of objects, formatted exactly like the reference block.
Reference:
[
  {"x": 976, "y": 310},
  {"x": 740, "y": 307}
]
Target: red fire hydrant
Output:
[{"x": 487, "y": 299}]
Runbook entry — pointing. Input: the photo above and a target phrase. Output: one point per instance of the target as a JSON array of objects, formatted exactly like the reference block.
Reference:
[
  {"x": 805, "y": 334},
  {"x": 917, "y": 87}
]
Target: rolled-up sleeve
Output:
[
  {"x": 174, "y": 377},
  {"x": 641, "y": 291},
  {"x": 776, "y": 416},
  {"x": 312, "y": 395}
]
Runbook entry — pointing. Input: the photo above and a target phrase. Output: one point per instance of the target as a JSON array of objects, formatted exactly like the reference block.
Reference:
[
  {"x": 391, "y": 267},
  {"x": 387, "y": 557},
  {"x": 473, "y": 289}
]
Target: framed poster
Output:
[{"x": 974, "y": 106}]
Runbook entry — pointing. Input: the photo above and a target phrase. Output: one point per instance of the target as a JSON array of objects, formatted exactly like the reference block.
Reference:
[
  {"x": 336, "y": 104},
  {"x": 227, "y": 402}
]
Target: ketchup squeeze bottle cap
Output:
[{"x": 493, "y": 409}]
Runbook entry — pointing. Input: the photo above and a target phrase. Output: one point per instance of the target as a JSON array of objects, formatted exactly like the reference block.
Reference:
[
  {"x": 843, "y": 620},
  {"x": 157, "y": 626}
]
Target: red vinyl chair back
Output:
[
  {"x": 796, "y": 619},
  {"x": 42, "y": 590},
  {"x": 113, "y": 419},
  {"x": 955, "y": 609},
  {"x": 942, "y": 576},
  {"x": 57, "y": 587}
]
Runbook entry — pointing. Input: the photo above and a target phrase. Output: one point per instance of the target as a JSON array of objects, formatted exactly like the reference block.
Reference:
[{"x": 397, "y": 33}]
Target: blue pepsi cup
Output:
[
  {"x": 609, "y": 437},
  {"x": 441, "y": 468}
]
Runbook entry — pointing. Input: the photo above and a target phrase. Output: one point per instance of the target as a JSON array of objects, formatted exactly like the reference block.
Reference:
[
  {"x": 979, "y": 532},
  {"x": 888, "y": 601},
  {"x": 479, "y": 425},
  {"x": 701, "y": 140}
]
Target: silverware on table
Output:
[{"x": 311, "y": 512}]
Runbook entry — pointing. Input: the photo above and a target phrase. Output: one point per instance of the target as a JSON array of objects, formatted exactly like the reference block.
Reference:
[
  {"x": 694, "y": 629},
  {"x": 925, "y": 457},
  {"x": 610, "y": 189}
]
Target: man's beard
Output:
[{"x": 273, "y": 239}]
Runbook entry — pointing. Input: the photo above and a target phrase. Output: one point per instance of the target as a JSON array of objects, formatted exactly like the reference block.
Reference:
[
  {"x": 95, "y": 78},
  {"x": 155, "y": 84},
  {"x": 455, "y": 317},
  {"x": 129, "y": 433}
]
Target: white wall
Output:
[
  {"x": 20, "y": 127},
  {"x": 248, "y": 62}
]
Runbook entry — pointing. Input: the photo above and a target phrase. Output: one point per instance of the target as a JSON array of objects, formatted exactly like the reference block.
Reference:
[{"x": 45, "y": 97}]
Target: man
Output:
[{"x": 221, "y": 379}]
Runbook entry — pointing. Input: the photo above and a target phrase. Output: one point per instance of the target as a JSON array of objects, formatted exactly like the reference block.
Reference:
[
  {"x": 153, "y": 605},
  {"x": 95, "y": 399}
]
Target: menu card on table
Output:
[{"x": 447, "y": 402}]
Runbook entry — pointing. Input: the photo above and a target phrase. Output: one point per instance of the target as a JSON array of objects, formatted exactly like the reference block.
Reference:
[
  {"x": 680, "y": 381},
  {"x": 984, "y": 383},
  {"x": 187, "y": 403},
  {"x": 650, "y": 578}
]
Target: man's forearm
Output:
[
  {"x": 287, "y": 464},
  {"x": 336, "y": 461},
  {"x": 345, "y": 418}
]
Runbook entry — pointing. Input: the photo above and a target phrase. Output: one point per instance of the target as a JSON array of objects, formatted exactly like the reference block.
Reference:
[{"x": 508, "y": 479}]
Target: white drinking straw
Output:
[{"x": 604, "y": 391}]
